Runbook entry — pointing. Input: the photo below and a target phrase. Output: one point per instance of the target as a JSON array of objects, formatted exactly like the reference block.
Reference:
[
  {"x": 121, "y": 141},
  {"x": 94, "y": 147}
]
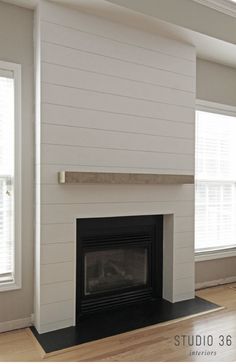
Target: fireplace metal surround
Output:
[{"x": 119, "y": 262}]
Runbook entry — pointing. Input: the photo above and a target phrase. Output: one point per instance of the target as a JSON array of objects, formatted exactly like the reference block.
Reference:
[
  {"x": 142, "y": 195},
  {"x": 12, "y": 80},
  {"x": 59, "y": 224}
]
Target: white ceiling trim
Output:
[
  {"x": 224, "y": 6},
  {"x": 29, "y": 4}
]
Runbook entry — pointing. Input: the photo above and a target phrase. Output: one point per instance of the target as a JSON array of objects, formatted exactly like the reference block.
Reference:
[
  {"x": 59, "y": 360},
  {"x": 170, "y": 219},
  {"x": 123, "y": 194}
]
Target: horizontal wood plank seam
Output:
[
  {"x": 78, "y": 165},
  {"x": 115, "y": 113},
  {"x": 109, "y": 202},
  {"x": 118, "y": 41},
  {"x": 116, "y": 131},
  {"x": 118, "y": 77},
  {"x": 55, "y": 282},
  {"x": 61, "y": 301},
  {"x": 120, "y": 59},
  {"x": 116, "y": 149},
  {"x": 119, "y": 95}
]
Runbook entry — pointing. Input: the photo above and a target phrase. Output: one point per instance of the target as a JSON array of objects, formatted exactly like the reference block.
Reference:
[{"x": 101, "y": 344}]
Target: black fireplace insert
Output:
[{"x": 119, "y": 262}]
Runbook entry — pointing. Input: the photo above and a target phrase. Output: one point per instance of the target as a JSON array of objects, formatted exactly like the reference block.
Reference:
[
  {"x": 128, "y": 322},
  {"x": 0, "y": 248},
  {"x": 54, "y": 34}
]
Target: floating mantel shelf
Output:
[{"x": 66, "y": 177}]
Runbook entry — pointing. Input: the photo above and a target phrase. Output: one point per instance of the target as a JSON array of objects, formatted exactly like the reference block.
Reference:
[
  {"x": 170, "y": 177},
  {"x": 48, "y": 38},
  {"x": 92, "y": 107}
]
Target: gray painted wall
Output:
[
  {"x": 215, "y": 270},
  {"x": 216, "y": 82},
  {"x": 16, "y": 45}
]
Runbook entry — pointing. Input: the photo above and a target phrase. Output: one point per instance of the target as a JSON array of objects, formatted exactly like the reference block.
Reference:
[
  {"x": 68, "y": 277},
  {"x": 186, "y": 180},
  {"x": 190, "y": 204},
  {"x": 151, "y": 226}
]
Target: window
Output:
[
  {"x": 10, "y": 186},
  {"x": 215, "y": 199}
]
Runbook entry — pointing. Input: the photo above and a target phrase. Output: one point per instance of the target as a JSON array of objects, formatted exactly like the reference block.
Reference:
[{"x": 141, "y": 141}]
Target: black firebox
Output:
[{"x": 119, "y": 262}]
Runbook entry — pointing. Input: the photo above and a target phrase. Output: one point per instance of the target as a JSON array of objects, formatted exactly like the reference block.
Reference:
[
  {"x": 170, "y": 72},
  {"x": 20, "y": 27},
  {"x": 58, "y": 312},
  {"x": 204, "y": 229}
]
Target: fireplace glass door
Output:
[
  {"x": 119, "y": 262},
  {"x": 115, "y": 269}
]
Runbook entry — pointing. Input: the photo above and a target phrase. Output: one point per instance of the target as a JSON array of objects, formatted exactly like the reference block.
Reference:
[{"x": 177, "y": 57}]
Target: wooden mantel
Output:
[{"x": 67, "y": 177}]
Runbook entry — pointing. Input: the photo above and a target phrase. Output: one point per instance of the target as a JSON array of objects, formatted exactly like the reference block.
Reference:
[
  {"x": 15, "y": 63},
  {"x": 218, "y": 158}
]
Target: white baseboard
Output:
[
  {"x": 15, "y": 324},
  {"x": 217, "y": 282}
]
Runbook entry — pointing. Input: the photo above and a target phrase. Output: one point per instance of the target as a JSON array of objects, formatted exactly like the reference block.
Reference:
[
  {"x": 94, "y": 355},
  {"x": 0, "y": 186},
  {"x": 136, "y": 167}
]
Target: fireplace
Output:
[
  {"x": 119, "y": 262},
  {"x": 121, "y": 268}
]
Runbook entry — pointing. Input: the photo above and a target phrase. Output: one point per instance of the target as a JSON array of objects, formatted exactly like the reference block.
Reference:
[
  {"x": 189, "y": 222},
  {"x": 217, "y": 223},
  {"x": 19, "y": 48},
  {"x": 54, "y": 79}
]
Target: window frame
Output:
[
  {"x": 213, "y": 107},
  {"x": 17, "y": 282}
]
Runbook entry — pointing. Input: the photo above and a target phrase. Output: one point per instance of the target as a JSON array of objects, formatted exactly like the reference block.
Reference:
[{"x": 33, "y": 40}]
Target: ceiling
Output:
[
  {"x": 225, "y": 6},
  {"x": 209, "y": 48}
]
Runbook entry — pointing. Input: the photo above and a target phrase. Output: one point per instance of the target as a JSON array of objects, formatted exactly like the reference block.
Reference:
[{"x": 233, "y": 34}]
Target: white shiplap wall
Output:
[{"x": 112, "y": 99}]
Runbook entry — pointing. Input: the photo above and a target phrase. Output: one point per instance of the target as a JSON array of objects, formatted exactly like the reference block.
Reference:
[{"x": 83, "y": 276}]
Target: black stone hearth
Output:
[{"x": 104, "y": 324}]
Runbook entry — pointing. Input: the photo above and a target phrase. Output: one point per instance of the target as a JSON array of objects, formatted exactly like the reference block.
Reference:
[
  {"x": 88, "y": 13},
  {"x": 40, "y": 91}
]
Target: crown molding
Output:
[
  {"x": 224, "y": 6},
  {"x": 28, "y": 4}
]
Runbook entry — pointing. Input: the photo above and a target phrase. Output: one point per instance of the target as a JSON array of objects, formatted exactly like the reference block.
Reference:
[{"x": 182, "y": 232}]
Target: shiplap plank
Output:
[
  {"x": 100, "y": 120},
  {"x": 101, "y": 83},
  {"x": 184, "y": 296},
  {"x": 184, "y": 270},
  {"x": 57, "y": 253},
  {"x": 58, "y": 272},
  {"x": 183, "y": 224},
  {"x": 57, "y": 292},
  {"x": 54, "y": 233},
  {"x": 68, "y": 96},
  {"x": 63, "y": 135},
  {"x": 56, "y": 325},
  {"x": 73, "y": 38},
  {"x": 185, "y": 255},
  {"x": 121, "y": 193},
  {"x": 184, "y": 285},
  {"x": 113, "y": 30},
  {"x": 184, "y": 239},
  {"x": 67, "y": 213},
  {"x": 69, "y": 57},
  {"x": 60, "y": 154},
  {"x": 56, "y": 311}
]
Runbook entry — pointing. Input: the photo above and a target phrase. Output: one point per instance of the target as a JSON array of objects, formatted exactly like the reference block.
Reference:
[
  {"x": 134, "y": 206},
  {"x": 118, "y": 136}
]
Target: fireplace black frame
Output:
[{"x": 104, "y": 233}]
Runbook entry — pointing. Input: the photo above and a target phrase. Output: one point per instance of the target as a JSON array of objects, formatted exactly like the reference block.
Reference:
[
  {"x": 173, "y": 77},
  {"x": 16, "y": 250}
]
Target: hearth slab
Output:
[{"x": 110, "y": 323}]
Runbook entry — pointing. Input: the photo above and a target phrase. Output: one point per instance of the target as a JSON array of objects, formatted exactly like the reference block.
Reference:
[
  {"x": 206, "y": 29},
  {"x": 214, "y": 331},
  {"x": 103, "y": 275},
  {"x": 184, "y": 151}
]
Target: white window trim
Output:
[
  {"x": 215, "y": 254},
  {"x": 17, "y": 283},
  {"x": 218, "y": 108}
]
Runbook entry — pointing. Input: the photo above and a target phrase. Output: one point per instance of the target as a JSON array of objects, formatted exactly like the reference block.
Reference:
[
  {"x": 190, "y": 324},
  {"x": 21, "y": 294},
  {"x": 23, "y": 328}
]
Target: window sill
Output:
[
  {"x": 10, "y": 286},
  {"x": 215, "y": 254}
]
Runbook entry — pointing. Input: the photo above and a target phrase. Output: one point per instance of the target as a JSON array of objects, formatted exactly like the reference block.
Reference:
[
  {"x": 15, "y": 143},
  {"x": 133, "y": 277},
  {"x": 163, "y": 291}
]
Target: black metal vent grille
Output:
[
  {"x": 120, "y": 299},
  {"x": 134, "y": 238}
]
